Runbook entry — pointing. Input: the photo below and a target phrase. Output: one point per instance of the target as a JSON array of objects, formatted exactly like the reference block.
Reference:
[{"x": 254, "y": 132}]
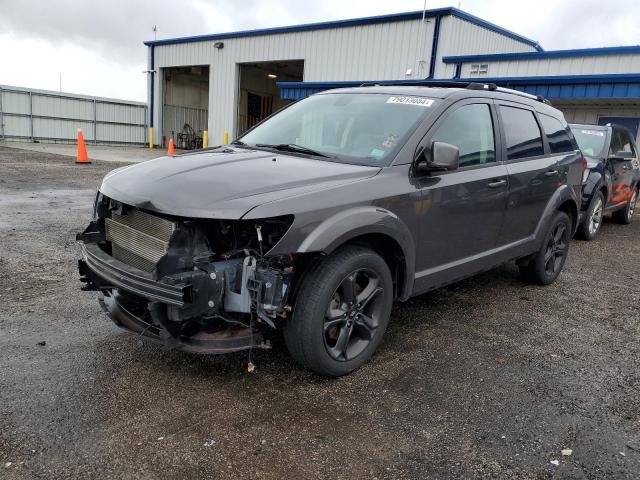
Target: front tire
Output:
[
  {"x": 625, "y": 215},
  {"x": 592, "y": 222},
  {"x": 547, "y": 264},
  {"x": 341, "y": 312}
]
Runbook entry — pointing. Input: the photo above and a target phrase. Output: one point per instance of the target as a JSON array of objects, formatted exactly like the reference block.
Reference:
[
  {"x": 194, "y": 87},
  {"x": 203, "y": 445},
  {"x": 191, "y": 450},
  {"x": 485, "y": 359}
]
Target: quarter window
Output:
[
  {"x": 522, "y": 133},
  {"x": 557, "y": 134},
  {"x": 470, "y": 128}
]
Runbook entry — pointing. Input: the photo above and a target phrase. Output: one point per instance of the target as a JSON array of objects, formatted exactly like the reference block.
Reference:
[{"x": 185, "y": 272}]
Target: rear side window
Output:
[
  {"x": 558, "y": 134},
  {"x": 470, "y": 128},
  {"x": 620, "y": 142},
  {"x": 522, "y": 133}
]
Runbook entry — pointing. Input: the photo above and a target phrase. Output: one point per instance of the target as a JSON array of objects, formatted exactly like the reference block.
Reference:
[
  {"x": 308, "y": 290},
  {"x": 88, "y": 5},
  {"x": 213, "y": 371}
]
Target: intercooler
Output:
[{"x": 139, "y": 239}]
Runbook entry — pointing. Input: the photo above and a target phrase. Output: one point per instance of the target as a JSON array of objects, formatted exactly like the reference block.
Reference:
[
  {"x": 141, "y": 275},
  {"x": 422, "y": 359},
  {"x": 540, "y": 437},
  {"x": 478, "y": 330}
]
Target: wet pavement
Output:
[
  {"x": 110, "y": 153},
  {"x": 489, "y": 378}
]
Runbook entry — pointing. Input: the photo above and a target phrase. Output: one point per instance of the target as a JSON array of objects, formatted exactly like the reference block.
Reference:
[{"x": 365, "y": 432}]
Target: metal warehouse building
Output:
[{"x": 225, "y": 83}]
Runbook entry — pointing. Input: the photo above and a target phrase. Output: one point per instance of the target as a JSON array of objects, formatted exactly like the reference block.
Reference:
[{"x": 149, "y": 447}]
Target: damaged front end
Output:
[{"x": 199, "y": 285}]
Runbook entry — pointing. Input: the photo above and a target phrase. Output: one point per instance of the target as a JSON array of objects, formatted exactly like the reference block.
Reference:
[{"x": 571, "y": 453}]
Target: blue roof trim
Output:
[
  {"x": 394, "y": 17},
  {"x": 560, "y": 79},
  {"x": 567, "y": 87},
  {"x": 579, "y": 52}
]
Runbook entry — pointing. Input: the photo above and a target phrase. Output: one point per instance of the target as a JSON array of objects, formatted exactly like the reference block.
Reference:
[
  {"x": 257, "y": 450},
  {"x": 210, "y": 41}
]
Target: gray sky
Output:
[{"x": 97, "y": 45}]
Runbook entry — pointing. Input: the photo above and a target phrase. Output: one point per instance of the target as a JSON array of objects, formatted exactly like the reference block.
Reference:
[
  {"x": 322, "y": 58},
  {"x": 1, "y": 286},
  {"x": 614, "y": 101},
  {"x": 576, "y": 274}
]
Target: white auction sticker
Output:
[
  {"x": 597, "y": 133},
  {"x": 420, "y": 101}
]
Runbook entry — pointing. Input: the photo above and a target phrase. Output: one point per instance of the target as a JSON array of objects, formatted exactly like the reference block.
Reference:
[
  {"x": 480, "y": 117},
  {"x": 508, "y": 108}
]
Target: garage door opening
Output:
[
  {"x": 259, "y": 95},
  {"x": 185, "y": 105}
]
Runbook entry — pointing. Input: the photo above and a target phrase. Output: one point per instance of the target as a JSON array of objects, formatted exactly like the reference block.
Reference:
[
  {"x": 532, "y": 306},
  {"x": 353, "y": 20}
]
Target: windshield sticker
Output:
[
  {"x": 376, "y": 153},
  {"x": 593, "y": 132},
  {"x": 390, "y": 141},
  {"x": 420, "y": 101}
]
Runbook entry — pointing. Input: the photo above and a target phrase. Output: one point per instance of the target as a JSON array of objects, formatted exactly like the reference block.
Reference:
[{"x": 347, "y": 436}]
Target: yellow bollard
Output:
[
  {"x": 150, "y": 137},
  {"x": 205, "y": 139},
  {"x": 225, "y": 138}
]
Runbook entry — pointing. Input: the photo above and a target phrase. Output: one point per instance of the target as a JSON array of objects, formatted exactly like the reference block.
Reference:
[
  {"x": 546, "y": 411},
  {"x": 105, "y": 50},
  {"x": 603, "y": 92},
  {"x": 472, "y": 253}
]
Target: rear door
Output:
[
  {"x": 534, "y": 174},
  {"x": 623, "y": 174},
  {"x": 461, "y": 211}
]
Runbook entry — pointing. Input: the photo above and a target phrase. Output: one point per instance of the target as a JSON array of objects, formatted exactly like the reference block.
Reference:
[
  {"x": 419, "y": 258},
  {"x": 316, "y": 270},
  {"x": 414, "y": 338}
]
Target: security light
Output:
[{"x": 272, "y": 75}]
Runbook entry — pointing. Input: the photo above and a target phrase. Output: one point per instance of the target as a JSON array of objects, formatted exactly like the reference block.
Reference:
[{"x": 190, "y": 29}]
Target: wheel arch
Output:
[
  {"x": 378, "y": 228},
  {"x": 564, "y": 199}
]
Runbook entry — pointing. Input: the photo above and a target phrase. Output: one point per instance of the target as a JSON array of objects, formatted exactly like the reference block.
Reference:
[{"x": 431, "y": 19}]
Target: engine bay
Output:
[{"x": 229, "y": 284}]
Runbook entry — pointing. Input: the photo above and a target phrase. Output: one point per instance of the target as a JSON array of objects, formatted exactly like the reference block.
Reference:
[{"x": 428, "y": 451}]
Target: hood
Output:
[{"x": 224, "y": 184}]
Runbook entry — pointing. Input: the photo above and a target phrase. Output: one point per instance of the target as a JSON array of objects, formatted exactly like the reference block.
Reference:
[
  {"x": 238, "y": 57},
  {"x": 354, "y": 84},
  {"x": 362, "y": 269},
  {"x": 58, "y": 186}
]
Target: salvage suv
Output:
[
  {"x": 612, "y": 181},
  {"x": 318, "y": 218}
]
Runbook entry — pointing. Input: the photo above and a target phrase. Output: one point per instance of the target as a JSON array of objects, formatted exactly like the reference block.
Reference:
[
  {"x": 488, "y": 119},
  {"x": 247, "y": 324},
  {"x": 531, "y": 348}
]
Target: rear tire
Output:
[
  {"x": 625, "y": 215},
  {"x": 547, "y": 264},
  {"x": 592, "y": 222},
  {"x": 341, "y": 312}
]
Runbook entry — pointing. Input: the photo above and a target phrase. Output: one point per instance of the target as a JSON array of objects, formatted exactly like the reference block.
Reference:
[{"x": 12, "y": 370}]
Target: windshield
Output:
[
  {"x": 360, "y": 128},
  {"x": 590, "y": 141}
]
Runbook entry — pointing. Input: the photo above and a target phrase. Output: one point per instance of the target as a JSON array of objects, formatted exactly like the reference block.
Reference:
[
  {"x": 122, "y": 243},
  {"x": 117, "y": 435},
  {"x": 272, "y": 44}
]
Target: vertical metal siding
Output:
[
  {"x": 381, "y": 51},
  {"x": 458, "y": 37},
  {"x": 590, "y": 114},
  {"x": 15, "y": 102},
  {"x": 54, "y": 116}
]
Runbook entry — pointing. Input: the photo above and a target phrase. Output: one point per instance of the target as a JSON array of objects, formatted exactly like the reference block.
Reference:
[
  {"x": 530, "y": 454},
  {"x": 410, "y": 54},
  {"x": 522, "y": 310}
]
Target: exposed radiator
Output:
[{"x": 139, "y": 239}]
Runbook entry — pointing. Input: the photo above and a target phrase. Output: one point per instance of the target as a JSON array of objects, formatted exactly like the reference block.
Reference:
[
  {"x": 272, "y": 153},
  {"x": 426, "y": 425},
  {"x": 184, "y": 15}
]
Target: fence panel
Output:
[{"x": 40, "y": 115}]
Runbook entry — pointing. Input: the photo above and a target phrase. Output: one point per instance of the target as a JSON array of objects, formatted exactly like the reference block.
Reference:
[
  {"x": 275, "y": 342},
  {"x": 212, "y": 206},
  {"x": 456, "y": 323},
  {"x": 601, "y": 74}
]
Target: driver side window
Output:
[
  {"x": 470, "y": 128},
  {"x": 620, "y": 142}
]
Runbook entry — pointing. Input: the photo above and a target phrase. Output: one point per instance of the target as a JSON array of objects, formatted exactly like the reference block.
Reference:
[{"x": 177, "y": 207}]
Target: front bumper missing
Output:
[
  {"x": 100, "y": 271},
  {"x": 103, "y": 271},
  {"x": 232, "y": 339}
]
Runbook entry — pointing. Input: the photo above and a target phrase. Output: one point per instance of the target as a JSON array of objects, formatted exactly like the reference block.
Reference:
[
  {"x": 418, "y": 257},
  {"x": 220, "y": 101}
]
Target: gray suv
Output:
[{"x": 316, "y": 220}]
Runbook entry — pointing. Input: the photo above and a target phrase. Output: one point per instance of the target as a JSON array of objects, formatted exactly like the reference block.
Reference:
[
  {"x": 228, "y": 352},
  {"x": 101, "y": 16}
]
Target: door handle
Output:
[
  {"x": 550, "y": 173},
  {"x": 497, "y": 183}
]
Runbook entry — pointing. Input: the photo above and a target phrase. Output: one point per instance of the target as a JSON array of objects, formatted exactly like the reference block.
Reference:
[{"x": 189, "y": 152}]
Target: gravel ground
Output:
[{"x": 486, "y": 378}]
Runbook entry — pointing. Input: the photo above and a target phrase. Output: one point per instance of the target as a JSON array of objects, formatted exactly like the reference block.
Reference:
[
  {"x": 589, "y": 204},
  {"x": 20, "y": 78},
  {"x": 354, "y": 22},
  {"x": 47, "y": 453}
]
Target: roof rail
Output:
[
  {"x": 520, "y": 93},
  {"x": 455, "y": 84},
  {"x": 416, "y": 83},
  {"x": 482, "y": 86}
]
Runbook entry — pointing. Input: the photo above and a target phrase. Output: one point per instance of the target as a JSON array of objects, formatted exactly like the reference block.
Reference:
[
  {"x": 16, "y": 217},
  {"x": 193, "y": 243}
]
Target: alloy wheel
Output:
[
  {"x": 596, "y": 217},
  {"x": 556, "y": 249},
  {"x": 353, "y": 315}
]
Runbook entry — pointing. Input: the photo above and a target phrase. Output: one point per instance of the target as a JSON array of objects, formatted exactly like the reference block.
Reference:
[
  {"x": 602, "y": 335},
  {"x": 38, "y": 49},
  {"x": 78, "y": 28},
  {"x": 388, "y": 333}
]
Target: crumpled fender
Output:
[
  {"x": 594, "y": 182},
  {"x": 346, "y": 225}
]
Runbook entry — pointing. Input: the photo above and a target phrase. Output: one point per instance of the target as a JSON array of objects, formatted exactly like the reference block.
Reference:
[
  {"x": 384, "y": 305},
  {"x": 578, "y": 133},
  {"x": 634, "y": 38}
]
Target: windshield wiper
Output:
[
  {"x": 238, "y": 143},
  {"x": 292, "y": 147}
]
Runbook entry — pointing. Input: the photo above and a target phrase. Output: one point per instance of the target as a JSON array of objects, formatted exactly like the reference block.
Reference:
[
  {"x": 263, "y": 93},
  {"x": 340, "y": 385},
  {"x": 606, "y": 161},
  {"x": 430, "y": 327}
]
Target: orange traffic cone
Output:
[
  {"x": 82, "y": 156},
  {"x": 172, "y": 149}
]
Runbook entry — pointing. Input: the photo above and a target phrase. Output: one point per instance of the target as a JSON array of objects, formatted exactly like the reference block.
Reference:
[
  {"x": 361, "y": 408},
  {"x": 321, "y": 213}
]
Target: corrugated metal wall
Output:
[
  {"x": 578, "y": 65},
  {"x": 366, "y": 52},
  {"x": 590, "y": 114},
  {"x": 380, "y": 51},
  {"x": 27, "y": 114},
  {"x": 460, "y": 37}
]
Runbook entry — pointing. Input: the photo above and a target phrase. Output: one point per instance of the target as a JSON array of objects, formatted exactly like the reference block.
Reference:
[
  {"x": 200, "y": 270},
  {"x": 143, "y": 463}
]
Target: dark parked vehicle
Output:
[
  {"x": 318, "y": 218},
  {"x": 613, "y": 177}
]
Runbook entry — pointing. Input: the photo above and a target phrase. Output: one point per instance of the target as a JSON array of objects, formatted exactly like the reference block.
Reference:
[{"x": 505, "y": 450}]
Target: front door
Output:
[
  {"x": 621, "y": 167},
  {"x": 461, "y": 211}
]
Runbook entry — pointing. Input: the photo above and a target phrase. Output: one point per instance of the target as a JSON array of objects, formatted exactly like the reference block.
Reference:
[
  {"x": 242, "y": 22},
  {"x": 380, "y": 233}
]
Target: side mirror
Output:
[
  {"x": 442, "y": 156},
  {"x": 624, "y": 155}
]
